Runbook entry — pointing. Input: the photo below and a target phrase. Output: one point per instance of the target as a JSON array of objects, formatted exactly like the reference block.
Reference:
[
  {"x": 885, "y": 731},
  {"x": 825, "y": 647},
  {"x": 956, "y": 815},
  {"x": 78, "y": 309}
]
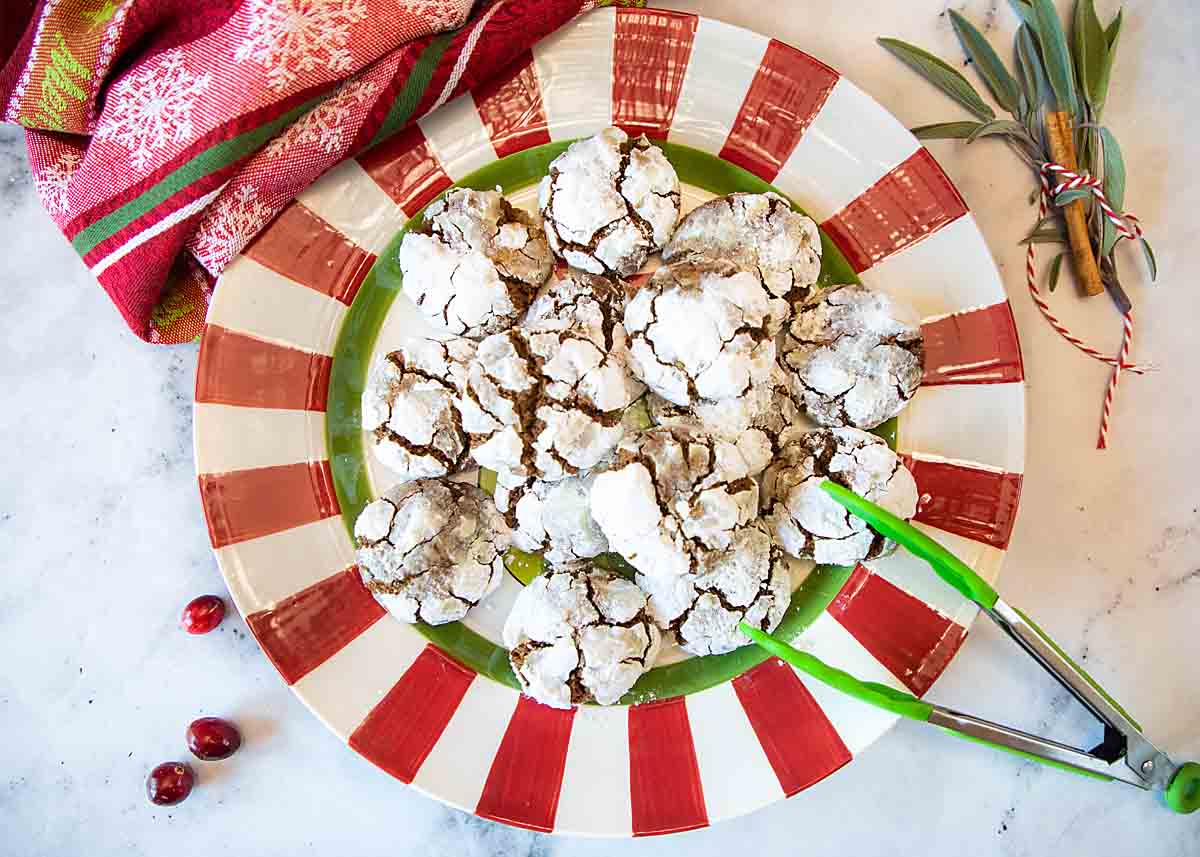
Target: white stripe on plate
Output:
[
  {"x": 457, "y": 768},
  {"x": 253, "y": 299},
  {"x": 351, "y": 202},
  {"x": 574, "y": 71},
  {"x": 821, "y": 174},
  {"x": 232, "y": 438},
  {"x": 948, "y": 271},
  {"x": 968, "y": 422},
  {"x": 145, "y": 235},
  {"x": 858, "y": 723},
  {"x": 736, "y": 775},
  {"x": 456, "y": 136},
  {"x": 263, "y": 571},
  {"x": 343, "y": 690},
  {"x": 597, "y": 766},
  {"x": 723, "y": 63}
]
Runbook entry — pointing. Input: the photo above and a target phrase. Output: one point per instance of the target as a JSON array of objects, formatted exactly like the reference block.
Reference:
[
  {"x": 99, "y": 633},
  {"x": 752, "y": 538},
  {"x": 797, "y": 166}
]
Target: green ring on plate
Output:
[{"x": 343, "y": 424}]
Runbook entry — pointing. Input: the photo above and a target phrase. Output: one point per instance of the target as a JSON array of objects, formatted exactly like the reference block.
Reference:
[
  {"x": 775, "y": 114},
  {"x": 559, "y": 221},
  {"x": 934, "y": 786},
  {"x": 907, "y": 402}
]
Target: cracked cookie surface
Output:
[
  {"x": 670, "y": 495},
  {"x": 810, "y": 524},
  {"x": 553, "y": 518},
  {"x": 748, "y": 582},
  {"x": 703, "y": 332},
  {"x": 608, "y": 202},
  {"x": 431, "y": 549},
  {"x": 545, "y": 401},
  {"x": 577, "y": 634},
  {"x": 409, "y": 408},
  {"x": 758, "y": 232},
  {"x": 475, "y": 263},
  {"x": 857, "y": 354}
]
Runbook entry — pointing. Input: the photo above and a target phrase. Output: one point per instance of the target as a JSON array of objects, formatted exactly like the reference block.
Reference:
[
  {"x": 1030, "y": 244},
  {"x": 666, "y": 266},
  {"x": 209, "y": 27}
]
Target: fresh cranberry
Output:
[
  {"x": 203, "y": 614},
  {"x": 170, "y": 783},
  {"x": 211, "y": 739}
]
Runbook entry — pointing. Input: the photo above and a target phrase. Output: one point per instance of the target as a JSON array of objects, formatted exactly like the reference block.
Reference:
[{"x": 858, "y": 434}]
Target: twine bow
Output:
[{"x": 1126, "y": 226}]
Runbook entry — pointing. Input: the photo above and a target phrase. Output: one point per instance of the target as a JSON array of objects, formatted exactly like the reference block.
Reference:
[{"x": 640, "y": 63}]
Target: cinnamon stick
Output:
[{"x": 1060, "y": 136}]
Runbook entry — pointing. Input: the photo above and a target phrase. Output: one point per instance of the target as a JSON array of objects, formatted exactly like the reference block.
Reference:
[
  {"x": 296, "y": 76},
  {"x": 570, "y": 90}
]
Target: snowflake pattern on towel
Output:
[
  {"x": 52, "y": 183},
  {"x": 289, "y": 37},
  {"x": 227, "y": 227},
  {"x": 151, "y": 108},
  {"x": 328, "y": 124}
]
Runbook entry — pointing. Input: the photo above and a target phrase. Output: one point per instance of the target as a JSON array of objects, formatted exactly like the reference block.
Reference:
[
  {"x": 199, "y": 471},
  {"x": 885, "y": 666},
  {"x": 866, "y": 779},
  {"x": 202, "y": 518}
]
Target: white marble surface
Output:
[{"x": 102, "y": 542}]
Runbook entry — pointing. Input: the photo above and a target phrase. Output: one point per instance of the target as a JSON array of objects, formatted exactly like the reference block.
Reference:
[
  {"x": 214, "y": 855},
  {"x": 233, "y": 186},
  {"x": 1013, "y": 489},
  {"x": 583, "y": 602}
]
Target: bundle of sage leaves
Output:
[{"x": 1051, "y": 75}]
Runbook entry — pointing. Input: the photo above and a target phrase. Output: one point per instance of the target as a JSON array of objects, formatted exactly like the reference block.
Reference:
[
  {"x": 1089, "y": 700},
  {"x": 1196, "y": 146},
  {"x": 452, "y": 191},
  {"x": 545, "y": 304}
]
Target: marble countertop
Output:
[{"x": 103, "y": 542}]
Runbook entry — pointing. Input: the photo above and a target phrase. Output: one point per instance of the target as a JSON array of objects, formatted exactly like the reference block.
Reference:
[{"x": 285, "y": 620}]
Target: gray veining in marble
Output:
[{"x": 103, "y": 541}]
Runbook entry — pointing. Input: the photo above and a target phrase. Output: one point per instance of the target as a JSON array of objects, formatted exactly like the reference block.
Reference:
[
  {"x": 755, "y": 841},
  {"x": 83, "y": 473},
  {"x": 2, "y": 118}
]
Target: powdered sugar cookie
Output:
[
  {"x": 476, "y": 262},
  {"x": 757, "y": 232},
  {"x": 430, "y": 550},
  {"x": 807, "y": 522},
  {"x": 608, "y": 202},
  {"x": 857, "y": 354}
]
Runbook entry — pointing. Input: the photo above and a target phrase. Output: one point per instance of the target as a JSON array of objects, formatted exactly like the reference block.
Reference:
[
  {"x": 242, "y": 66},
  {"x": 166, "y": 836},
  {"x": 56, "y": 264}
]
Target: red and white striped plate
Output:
[{"x": 673, "y": 764}]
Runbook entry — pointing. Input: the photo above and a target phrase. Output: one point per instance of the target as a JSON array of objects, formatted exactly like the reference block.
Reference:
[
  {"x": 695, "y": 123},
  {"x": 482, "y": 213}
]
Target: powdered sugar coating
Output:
[
  {"x": 703, "y": 332},
  {"x": 578, "y": 634},
  {"x": 670, "y": 495},
  {"x": 757, "y": 232},
  {"x": 553, "y": 518},
  {"x": 409, "y": 408},
  {"x": 807, "y": 522},
  {"x": 760, "y": 422},
  {"x": 430, "y": 550},
  {"x": 608, "y": 202},
  {"x": 748, "y": 582},
  {"x": 476, "y": 262},
  {"x": 858, "y": 356},
  {"x": 545, "y": 401}
]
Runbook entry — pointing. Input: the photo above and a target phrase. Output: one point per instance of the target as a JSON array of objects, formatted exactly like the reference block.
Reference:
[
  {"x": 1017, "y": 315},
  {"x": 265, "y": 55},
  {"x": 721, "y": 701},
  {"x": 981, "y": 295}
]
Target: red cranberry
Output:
[
  {"x": 170, "y": 783},
  {"x": 211, "y": 739},
  {"x": 203, "y": 614}
]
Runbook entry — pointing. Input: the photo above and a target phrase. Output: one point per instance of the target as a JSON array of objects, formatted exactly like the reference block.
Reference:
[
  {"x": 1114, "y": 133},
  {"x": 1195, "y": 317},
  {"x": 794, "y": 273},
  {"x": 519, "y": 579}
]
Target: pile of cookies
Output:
[{"x": 684, "y": 424}]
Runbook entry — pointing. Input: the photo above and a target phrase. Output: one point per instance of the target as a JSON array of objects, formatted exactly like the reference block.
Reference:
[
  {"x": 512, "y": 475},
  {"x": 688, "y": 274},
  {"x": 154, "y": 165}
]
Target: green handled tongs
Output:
[{"x": 1125, "y": 754}]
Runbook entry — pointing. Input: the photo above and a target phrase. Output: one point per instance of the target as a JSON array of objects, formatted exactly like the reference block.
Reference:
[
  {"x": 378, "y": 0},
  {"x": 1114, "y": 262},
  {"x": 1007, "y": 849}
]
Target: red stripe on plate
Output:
[
  {"x": 913, "y": 200},
  {"x": 978, "y": 346},
  {"x": 800, "y": 742},
  {"x": 236, "y": 369},
  {"x": 971, "y": 502},
  {"x": 510, "y": 107},
  {"x": 664, "y": 777},
  {"x": 788, "y": 91},
  {"x": 247, "y": 504},
  {"x": 304, "y": 630},
  {"x": 406, "y": 169},
  {"x": 304, "y": 248},
  {"x": 523, "y": 785},
  {"x": 903, "y": 633},
  {"x": 651, "y": 50},
  {"x": 403, "y": 728}
]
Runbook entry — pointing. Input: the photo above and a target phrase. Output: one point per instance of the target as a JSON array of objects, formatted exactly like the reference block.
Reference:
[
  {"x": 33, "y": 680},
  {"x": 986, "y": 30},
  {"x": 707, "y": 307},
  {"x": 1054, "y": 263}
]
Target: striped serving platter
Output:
[{"x": 302, "y": 310}]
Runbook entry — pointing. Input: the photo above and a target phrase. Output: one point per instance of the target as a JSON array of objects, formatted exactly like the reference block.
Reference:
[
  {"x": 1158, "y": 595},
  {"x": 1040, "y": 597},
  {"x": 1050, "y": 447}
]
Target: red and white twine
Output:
[{"x": 1127, "y": 226}]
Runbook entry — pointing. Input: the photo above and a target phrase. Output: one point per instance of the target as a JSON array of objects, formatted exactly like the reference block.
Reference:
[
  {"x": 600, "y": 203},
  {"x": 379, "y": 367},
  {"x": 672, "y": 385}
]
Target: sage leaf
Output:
[
  {"x": 1024, "y": 10},
  {"x": 1150, "y": 261},
  {"x": 945, "y": 130},
  {"x": 1055, "y": 270},
  {"x": 940, "y": 74},
  {"x": 1111, "y": 36},
  {"x": 1050, "y": 235},
  {"x": 1091, "y": 50},
  {"x": 1069, "y": 196},
  {"x": 999, "y": 82},
  {"x": 998, "y": 126},
  {"x": 1029, "y": 67},
  {"x": 1114, "y": 186},
  {"x": 1056, "y": 56}
]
